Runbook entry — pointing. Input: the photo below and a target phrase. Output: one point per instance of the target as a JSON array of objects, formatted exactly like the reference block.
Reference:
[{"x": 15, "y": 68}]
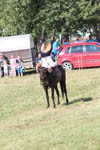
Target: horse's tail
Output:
[
  {"x": 63, "y": 83},
  {"x": 62, "y": 88},
  {"x": 62, "y": 80}
]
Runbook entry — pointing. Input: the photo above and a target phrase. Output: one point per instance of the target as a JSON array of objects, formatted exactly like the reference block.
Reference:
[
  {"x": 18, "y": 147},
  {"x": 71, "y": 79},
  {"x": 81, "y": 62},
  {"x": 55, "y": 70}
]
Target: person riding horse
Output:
[
  {"x": 45, "y": 50},
  {"x": 50, "y": 73}
]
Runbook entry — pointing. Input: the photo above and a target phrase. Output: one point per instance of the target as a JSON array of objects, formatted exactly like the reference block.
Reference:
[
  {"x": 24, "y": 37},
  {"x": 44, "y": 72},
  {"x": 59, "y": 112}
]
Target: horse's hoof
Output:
[
  {"x": 62, "y": 95},
  {"x": 48, "y": 106},
  {"x": 67, "y": 102},
  {"x": 54, "y": 106},
  {"x": 58, "y": 103}
]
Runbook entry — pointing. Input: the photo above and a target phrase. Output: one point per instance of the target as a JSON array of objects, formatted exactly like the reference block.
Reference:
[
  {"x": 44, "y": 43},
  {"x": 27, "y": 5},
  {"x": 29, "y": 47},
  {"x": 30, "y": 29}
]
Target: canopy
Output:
[{"x": 18, "y": 42}]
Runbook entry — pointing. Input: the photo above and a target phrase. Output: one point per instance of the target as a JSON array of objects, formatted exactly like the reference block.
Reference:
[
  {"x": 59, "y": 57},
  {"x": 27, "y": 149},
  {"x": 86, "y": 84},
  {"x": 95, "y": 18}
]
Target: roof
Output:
[
  {"x": 83, "y": 43},
  {"x": 18, "y": 42}
]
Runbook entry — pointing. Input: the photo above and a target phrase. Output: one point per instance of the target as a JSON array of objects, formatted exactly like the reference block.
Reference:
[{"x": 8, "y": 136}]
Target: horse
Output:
[{"x": 50, "y": 79}]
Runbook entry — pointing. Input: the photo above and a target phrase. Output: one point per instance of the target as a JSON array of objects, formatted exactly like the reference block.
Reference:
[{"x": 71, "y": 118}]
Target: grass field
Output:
[{"x": 26, "y": 123}]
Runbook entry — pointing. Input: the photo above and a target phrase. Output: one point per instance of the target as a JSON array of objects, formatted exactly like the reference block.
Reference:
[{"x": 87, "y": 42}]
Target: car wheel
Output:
[{"x": 67, "y": 66}]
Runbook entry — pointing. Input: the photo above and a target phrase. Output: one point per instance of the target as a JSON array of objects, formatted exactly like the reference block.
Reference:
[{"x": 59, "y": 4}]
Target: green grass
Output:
[{"x": 26, "y": 123}]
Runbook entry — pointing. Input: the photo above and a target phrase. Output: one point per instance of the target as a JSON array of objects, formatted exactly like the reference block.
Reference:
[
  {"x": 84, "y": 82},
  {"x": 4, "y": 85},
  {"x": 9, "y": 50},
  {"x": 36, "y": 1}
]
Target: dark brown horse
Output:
[{"x": 49, "y": 79}]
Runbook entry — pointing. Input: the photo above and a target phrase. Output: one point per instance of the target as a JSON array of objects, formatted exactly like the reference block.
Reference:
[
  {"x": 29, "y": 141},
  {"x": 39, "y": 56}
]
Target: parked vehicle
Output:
[{"x": 79, "y": 55}]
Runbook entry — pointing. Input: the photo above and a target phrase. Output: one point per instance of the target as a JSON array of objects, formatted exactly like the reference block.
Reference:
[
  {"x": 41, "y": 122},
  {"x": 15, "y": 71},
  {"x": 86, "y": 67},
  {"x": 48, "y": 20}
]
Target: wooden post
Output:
[{"x": 79, "y": 62}]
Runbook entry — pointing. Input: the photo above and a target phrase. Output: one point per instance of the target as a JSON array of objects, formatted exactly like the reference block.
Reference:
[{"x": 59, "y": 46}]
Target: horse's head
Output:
[{"x": 44, "y": 76}]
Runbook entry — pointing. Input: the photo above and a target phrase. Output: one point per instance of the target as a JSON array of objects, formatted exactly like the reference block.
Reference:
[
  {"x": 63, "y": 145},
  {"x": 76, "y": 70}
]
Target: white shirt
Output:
[{"x": 47, "y": 62}]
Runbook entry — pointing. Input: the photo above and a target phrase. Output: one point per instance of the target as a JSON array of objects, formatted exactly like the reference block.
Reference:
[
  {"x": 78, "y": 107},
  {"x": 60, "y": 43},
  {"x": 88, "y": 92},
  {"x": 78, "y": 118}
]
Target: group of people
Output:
[
  {"x": 48, "y": 52},
  {"x": 10, "y": 66},
  {"x": 90, "y": 39}
]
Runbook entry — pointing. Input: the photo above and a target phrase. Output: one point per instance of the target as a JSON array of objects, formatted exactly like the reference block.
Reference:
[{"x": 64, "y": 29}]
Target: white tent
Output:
[{"x": 19, "y": 42}]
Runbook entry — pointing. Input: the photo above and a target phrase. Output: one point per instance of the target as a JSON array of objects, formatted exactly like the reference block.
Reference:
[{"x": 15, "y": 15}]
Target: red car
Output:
[{"x": 79, "y": 55}]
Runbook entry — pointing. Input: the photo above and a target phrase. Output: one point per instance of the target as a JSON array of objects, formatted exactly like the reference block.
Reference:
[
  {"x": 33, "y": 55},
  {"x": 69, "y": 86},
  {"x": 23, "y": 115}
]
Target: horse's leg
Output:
[
  {"x": 52, "y": 89},
  {"x": 65, "y": 91},
  {"x": 62, "y": 90},
  {"x": 57, "y": 92},
  {"x": 47, "y": 96}
]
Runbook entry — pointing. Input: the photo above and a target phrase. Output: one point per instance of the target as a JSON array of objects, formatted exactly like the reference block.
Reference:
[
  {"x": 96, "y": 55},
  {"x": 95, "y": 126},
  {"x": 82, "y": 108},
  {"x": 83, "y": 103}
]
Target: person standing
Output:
[
  {"x": 66, "y": 40},
  {"x": 55, "y": 48},
  {"x": 98, "y": 39},
  {"x": 91, "y": 39},
  {"x": 1, "y": 65},
  {"x": 38, "y": 62},
  {"x": 13, "y": 66},
  {"x": 45, "y": 51},
  {"x": 78, "y": 40},
  {"x": 5, "y": 66},
  {"x": 19, "y": 67}
]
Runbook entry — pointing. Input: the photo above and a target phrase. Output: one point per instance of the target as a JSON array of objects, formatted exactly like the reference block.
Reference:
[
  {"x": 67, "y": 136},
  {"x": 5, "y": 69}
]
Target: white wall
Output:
[{"x": 19, "y": 42}]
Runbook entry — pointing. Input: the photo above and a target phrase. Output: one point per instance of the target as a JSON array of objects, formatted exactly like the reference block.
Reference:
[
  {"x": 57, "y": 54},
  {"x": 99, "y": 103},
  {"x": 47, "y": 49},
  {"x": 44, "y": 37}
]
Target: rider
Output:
[
  {"x": 55, "y": 48},
  {"x": 45, "y": 50}
]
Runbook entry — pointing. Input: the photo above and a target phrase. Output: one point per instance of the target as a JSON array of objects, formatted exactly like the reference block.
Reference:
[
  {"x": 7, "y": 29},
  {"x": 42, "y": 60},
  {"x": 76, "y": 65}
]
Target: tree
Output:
[{"x": 67, "y": 16}]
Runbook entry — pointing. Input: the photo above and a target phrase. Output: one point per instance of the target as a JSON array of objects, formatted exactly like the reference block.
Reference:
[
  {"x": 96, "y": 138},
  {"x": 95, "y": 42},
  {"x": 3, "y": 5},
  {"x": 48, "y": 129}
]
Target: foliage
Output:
[{"x": 67, "y": 16}]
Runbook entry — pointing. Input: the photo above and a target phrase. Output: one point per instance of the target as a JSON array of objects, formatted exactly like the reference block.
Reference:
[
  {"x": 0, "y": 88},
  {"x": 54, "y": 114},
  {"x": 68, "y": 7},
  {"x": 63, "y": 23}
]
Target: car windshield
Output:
[
  {"x": 67, "y": 50},
  {"x": 59, "y": 50}
]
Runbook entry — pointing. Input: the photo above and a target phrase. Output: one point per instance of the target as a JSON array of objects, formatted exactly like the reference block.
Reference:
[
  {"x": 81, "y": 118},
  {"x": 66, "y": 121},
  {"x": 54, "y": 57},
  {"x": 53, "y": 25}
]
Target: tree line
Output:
[{"x": 67, "y": 16}]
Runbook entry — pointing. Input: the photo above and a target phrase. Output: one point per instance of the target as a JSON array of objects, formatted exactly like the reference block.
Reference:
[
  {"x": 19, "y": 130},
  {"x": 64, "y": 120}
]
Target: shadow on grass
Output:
[
  {"x": 96, "y": 67},
  {"x": 28, "y": 72},
  {"x": 87, "y": 99}
]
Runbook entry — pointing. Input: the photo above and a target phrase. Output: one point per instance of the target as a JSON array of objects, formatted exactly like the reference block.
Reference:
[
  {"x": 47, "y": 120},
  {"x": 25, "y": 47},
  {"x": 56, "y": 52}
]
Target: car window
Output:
[
  {"x": 98, "y": 44},
  {"x": 77, "y": 49},
  {"x": 67, "y": 50},
  {"x": 92, "y": 48}
]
